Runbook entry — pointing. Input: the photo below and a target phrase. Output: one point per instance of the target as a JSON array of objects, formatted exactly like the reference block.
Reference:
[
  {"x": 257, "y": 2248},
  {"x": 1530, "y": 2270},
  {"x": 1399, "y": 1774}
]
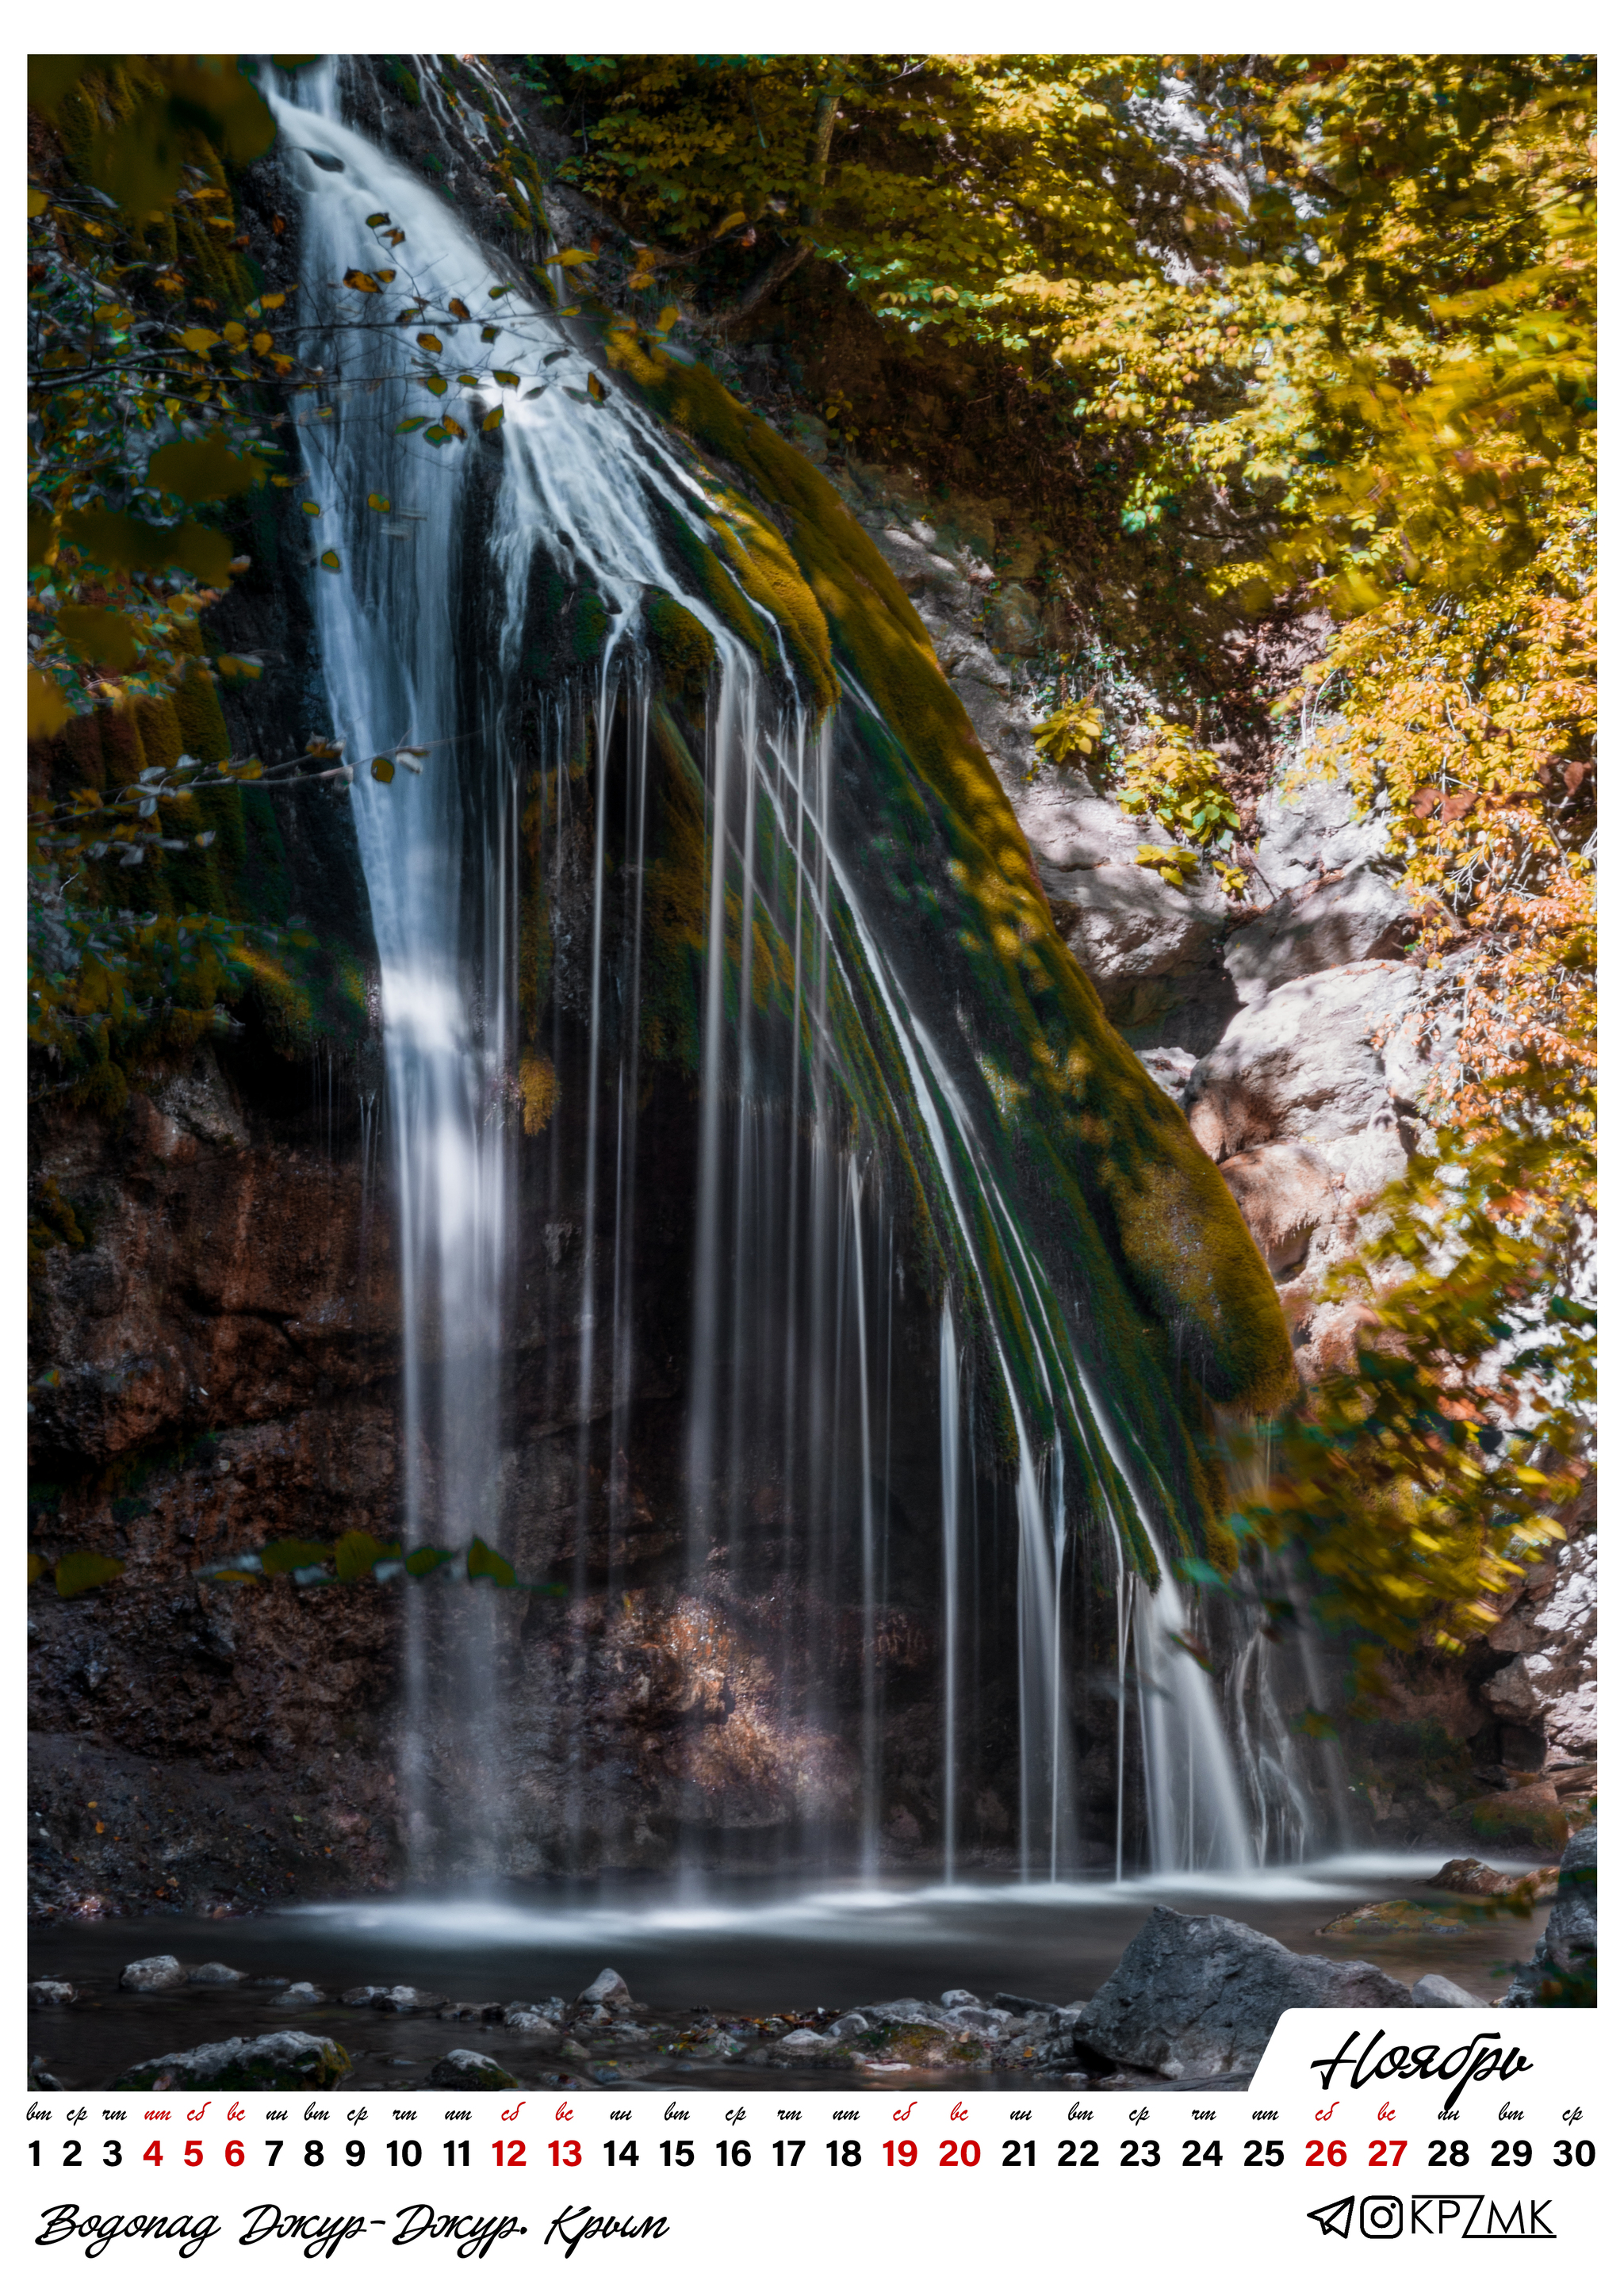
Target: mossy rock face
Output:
[
  {"x": 1116, "y": 1146},
  {"x": 682, "y": 648},
  {"x": 263, "y": 2060}
]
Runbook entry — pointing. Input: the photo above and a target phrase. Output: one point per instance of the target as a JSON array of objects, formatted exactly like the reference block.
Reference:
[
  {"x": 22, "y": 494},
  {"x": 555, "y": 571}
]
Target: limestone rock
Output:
[
  {"x": 1196, "y": 1997},
  {"x": 258, "y": 2060},
  {"x": 467, "y": 2069},
  {"x": 1398, "y": 1917},
  {"x": 1434, "y": 1992},
  {"x": 1286, "y": 1194},
  {"x": 156, "y": 1974},
  {"x": 1549, "y": 1684},
  {"x": 1324, "y": 925},
  {"x": 1305, "y": 1063},
  {"x": 1308, "y": 827},
  {"x": 608, "y": 1990}
]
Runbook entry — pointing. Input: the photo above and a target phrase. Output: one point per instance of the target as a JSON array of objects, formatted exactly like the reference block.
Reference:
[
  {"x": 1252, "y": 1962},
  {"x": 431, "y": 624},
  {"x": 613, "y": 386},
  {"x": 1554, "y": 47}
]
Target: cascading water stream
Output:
[{"x": 788, "y": 1439}]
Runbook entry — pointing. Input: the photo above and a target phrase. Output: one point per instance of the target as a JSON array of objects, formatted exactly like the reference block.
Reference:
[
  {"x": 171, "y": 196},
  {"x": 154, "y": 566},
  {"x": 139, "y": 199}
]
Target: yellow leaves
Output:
[
  {"x": 383, "y": 769},
  {"x": 311, "y": 508},
  {"x": 363, "y": 283},
  {"x": 272, "y": 302},
  {"x": 199, "y": 338},
  {"x": 493, "y": 421},
  {"x": 458, "y": 308},
  {"x": 430, "y": 342},
  {"x": 595, "y": 390},
  {"x": 262, "y": 343},
  {"x": 537, "y": 1090},
  {"x": 48, "y": 708},
  {"x": 329, "y": 560},
  {"x": 508, "y": 381},
  {"x": 570, "y": 257},
  {"x": 449, "y": 422},
  {"x": 377, "y": 502},
  {"x": 436, "y": 383}
]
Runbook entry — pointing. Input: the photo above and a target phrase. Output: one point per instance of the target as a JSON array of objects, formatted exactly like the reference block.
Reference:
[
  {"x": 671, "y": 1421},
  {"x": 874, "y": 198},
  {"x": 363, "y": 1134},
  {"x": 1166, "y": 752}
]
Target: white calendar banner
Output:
[{"x": 1376, "y": 2143}]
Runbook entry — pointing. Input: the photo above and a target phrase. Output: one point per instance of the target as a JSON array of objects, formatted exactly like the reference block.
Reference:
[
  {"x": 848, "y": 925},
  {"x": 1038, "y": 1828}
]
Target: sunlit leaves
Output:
[
  {"x": 329, "y": 561},
  {"x": 429, "y": 342},
  {"x": 493, "y": 421}
]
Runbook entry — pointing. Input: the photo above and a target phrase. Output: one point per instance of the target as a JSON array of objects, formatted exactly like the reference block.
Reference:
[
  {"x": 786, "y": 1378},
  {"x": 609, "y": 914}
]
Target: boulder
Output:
[
  {"x": 1548, "y": 1683},
  {"x": 156, "y": 1974},
  {"x": 804, "y": 2043},
  {"x": 1469, "y": 1877},
  {"x": 1309, "y": 824},
  {"x": 1305, "y": 1063},
  {"x": 1197, "y": 1995},
  {"x": 467, "y": 2069},
  {"x": 1286, "y": 1195},
  {"x": 1529, "y": 1816},
  {"x": 214, "y": 1973},
  {"x": 395, "y": 2000},
  {"x": 258, "y": 2060},
  {"x": 51, "y": 1993},
  {"x": 1434, "y": 1992},
  {"x": 303, "y": 1995},
  {"x": 1562, "y": 1971},
  {"x": 1323, "y": 926},
  {"x": 608, "y": 1990},
  {"x": 530, "y": 2020}
]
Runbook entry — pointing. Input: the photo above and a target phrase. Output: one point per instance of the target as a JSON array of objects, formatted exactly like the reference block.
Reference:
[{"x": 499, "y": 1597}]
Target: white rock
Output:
[
  {"x": 1318, "y": 929},
  {"x": 1435, "y": 1992},
  {"x": 1308, "y": 826},
  {"x": 1303, "y": 1064}
]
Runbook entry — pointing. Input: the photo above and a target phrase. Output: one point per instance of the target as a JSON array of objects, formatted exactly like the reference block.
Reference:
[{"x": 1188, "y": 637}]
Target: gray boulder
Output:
[
  {"x": 51, "y": 1993},
  {"x": 1318, "y": 1060},
  {"x": 395, "y": 2000},
  {"x": 1564, "y": 1962},
  {"x": 303, "y": 1995},
  {"x": 156, "y": 1974},
  {"x": 258, "y": 2060},
  {"x": 1197, "y": 1995},
  {"x": 1308, "y": 827},
  {"x": 608, "y": 1990},
  {"x": 467, "y": 2069},
  {"x": 214, "y": 1973},
  {"x": 1435, "y": 1992},
  {"x": 1323, "y": 926}
]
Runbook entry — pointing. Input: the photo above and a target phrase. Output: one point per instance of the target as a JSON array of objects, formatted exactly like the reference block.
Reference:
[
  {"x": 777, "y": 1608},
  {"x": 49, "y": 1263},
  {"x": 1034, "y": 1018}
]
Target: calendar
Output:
[{"x": 1363, "y": 2143}]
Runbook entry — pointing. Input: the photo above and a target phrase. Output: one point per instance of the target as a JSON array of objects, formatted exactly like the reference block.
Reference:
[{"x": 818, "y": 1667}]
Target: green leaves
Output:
[
  {"x": 285, "y": 1555},
  {"x": 203, "y": 470}
]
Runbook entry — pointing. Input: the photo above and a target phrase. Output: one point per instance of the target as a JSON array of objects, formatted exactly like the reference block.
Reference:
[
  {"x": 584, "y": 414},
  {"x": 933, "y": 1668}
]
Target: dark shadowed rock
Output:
[
  {"x": 259, "y": 2061},
  {"x": 1198, "y": 1996},
  {"x": 467, "y": 2069},
  {"x": 51, "y": 1993},
  {"x": 1341, "y": 921},
  {"x": 1562, "y": 1971},
  {"x": 214, "y": 1973}
]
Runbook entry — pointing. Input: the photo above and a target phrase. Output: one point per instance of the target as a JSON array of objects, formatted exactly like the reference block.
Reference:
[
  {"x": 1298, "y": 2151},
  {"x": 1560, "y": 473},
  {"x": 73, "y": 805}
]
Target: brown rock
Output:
[
  {"x": 1529, "y": 1814},
  {"x": 1286, "y": 1194}
]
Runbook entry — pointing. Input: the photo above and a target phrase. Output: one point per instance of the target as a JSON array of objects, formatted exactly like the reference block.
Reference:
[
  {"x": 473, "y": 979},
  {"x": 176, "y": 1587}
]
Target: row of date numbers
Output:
[{"x": 844, "y": 2153}]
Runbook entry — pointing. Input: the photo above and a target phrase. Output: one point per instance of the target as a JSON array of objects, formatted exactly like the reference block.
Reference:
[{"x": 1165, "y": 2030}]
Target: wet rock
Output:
[
  {"x": 470, "y": 2013},
  {"x": 303, "y": 1995},
  {"x": 530, "y": 2020},
  {"x": 909, "y": 2011},
  {"x": 1021, "y": 2004},
  {"x": 847, "y": 2028},
  {"x": 959, "y": 1999},
  {"x": 214, "y": 1973},
  {"x": 467, "y": 2069},
  {"x": 1198, "y": 1996},
  {"x": 1435, "y": 1992},
  {"x": 608, "y": 1990},
  {"x": 156, "y": 1974},
  {"x": 927, "y": 2044},
  {"x": 1286, "y": 1195},
  {"x": 260, "y": 2061},
  {"x": 1562, "y": 1973},
  {"x": 1335, "y": 922},
  {"x": 38, "y": 2077},
  {"x": 394, "y": 2000},
  {"x": 1398, "y": 1917},
  {"x": 1469, "y": 1877},
  {"x": 806, "y": 2044},
  {"x": 51, "y": 1993}
]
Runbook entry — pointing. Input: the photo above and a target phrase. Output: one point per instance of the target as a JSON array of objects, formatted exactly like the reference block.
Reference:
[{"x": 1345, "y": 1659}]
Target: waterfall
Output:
[{"x": 846, "y": 1152}]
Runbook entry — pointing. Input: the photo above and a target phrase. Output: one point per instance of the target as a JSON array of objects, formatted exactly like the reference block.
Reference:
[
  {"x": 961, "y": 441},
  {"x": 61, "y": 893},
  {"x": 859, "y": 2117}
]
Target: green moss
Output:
[{"x": 682, "y": 649}]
